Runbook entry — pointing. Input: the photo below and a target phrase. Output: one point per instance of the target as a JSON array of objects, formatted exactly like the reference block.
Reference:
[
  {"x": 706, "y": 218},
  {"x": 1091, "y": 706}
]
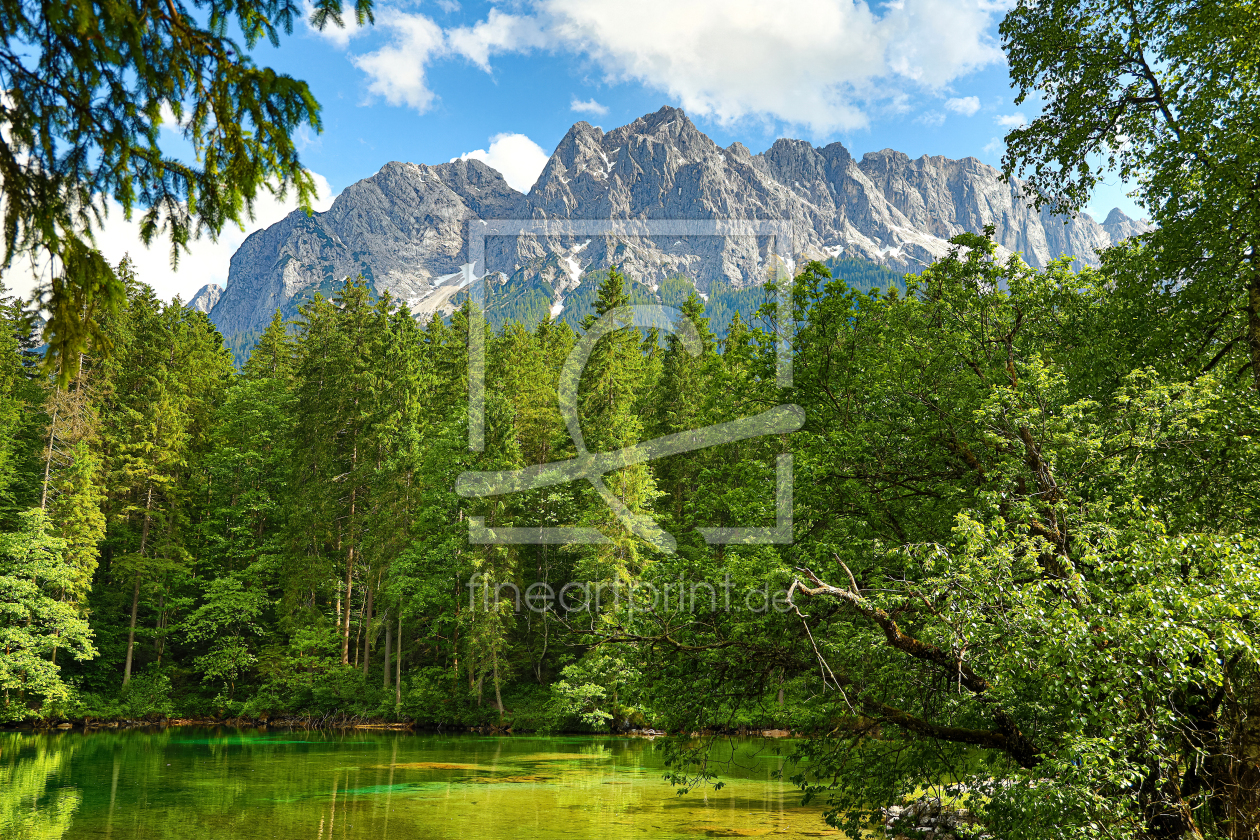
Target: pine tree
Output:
[
  {"x": 159, "y": 391},
  {"x": 612, "y": 384},
  {"x": 681, "y": 401},
  {"x": 272, "y": 356},
  {"x": 337, "y": 410},
  {"x": 22, "y": 401},
  {"x": 83, "y": 125}
]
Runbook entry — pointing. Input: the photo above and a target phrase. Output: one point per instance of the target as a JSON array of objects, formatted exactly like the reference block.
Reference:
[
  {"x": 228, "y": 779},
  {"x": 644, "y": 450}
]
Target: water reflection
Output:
[
  {"x": 33, "y": 804},
  {"x": 248, "y": 784}
]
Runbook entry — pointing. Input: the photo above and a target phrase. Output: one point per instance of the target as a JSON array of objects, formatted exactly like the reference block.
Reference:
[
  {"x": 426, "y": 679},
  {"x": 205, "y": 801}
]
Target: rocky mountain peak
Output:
[
  {"x": 1119, "y": 226},
  {"x": 884, "y": 160},
  {"x": 737, "y": 151},
  {"x": 1117, "y": 217},
  {"x": 836, "y": 154},
  {"x": 580, "y": 149},
  {"x": 206, "y": 298},
  {"x": 670, "y": 128},
  {"x": 796, "y": 161},
  {"x": 481, "y": 186},
  {"x": 666, "y": 122},
  {"x": 404, "y": 228}
]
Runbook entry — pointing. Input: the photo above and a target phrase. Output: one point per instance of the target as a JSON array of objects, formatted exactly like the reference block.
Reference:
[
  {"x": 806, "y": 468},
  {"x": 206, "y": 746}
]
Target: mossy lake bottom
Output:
[{"x": 192, "y": 783}]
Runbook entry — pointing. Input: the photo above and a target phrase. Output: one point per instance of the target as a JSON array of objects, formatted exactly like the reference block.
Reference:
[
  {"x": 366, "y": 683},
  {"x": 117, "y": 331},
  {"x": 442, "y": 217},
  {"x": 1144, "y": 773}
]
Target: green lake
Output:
[{"x": 224, "y": 784}]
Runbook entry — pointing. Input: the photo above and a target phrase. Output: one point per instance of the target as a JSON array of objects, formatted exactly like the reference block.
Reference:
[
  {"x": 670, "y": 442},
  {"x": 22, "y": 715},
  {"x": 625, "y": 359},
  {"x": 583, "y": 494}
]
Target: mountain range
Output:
[{"x": 405, "y": 228}]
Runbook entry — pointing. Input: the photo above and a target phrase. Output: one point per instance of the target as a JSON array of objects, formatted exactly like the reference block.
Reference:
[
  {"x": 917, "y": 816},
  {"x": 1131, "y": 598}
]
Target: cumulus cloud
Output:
[
  {"x": 499, "y": 32},
  {"x": 1015, "y": 120},
  {"x": 517, "y": 158},
  {"x": 826, "y": 64},
  {"x": 966, "y": 105},
  {"x": 396, "y": 71},
  {"x": 589, "y": 106},
  {"x": 731, "y": 58},
  {"x": 932, "y": 118},
  {"x": 821, "y": 63}
]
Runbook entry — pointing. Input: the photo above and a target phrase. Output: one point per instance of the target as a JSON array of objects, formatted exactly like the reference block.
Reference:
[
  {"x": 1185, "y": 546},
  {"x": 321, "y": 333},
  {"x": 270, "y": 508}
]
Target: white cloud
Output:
[
  {"x": 497, "y": 33},
  {"x": 966, "y": 105},
  {"x": 731, "y": 58},
  {"x": 935, "y": 41},
  {"x": 1015, "y": 120},
  {"x": 589, "y": 106},
  {"x": 166, "y": 118},
  {"x": 932, "y": 118},
  {"x": 396, "y": 71},
  {"x": 820, "y": 63},
  {"x": 517, "y": 158},
  {"x": 448, "y": 6},
  {"x": 995, "y": 148}
]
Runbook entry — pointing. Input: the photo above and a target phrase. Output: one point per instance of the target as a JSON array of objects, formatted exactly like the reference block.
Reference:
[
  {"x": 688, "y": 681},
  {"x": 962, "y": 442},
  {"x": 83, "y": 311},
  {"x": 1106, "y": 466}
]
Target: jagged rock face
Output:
[
  {"x": 1120, "y": 227},
  {"x": 206, "y": 298},
  {"x": 405, "y": 227}
]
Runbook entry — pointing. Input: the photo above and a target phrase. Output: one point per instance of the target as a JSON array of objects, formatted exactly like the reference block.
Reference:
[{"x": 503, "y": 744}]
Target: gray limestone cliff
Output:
[
  {"x": 206, "y": 298},
  {"x": 405, "y": 227}
]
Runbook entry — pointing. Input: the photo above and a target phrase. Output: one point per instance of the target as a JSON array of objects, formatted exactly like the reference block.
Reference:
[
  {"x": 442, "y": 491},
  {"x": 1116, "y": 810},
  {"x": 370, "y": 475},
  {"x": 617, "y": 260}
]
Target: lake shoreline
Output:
[{"x": 344, "y": 722}]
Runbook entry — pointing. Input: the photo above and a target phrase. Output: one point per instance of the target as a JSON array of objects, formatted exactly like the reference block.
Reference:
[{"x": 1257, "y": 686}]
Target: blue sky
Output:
[{"x": 438, "y": 79}]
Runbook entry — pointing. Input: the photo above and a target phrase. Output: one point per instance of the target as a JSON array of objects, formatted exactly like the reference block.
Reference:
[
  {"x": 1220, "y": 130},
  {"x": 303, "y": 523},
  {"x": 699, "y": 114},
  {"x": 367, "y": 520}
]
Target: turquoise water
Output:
[{"x": 215, "y": 784}]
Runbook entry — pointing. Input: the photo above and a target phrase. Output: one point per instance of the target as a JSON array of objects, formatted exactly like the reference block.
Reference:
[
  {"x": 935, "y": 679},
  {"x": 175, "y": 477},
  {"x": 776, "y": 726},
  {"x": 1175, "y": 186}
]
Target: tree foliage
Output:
[
  {"x": 1165, "y": 93},
  {"x": 34, "y": 620},
  {"x": 87, "y": 90}
]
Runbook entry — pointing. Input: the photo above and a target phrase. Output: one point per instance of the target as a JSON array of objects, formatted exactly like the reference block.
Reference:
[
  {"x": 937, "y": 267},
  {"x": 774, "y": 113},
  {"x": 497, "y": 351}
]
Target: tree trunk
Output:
[
  {"x": 131, "y": 634},
  {"x": 159, "y": 643},
  {"x": 388, "y": 638},
  {"x": 52, "y": 438},
  {"x": 498, "y": 697},
  {"x": 398, "y": 665},
  {"x": 345, "y": 626},
  {"x": 345, "y": 632},
  {"x": 367, "y": 630},
  {"x": 358, "y": 633},
  {"x": 542, "y": 656},
  {"x": 345, "y": 629},
  {"x": 135, "y": 595}
]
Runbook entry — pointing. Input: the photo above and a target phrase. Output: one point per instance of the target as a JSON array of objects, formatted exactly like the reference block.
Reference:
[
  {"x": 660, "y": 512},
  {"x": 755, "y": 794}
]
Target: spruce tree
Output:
[{"x": 88, "y": 88}]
